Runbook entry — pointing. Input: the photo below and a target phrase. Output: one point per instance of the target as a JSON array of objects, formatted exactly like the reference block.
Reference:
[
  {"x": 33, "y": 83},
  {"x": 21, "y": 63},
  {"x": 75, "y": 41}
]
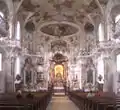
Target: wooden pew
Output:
[
  {"x": 103, "y": 102},
  {"x": 10, "y": 102}
]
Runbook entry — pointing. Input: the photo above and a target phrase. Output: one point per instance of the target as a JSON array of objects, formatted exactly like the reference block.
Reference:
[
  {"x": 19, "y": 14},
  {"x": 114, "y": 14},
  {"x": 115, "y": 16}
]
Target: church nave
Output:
[{"x": 59, "y": 54}]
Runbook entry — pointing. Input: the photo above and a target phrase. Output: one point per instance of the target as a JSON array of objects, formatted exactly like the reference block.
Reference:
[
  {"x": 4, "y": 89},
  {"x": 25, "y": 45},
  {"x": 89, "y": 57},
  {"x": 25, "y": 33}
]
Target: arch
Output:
[
  {"x": 115, "y": 21},
  {"x": 9, "y": 4},
  {"x": 10, "y": 16},
  {"x": 111, "y": 6},
  {"x": 109, "y": 19},
  {"x": 4, "y": 9},
  {"x": 115, "y": 11},
  {"x": 3, "y": 19}
]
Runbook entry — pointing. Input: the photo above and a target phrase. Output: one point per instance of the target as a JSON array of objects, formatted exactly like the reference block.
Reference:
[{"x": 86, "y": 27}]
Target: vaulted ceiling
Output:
[
  {"x": 59, "y": 10},
  {"x": 59, "y": 25}
]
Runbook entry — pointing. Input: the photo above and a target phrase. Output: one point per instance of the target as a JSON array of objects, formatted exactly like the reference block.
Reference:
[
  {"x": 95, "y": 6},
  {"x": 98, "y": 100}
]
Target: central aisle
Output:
[{"x": 61, "y": 103}]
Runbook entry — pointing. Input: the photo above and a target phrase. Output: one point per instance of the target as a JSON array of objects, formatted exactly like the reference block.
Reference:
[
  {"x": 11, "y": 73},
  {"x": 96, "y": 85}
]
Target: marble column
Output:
[
  {"x": 9, "y": 75},
  {"x": 3, "y": 70},
  {"x": 83, "y": 75},
  {"x": 3, "y": 78}
]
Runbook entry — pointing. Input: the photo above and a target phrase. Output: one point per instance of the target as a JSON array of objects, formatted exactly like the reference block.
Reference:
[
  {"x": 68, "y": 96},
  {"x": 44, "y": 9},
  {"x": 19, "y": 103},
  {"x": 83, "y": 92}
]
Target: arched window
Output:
[
  {"x": 117, "y": 25},
  {"x": 117, "y": 18},
  {"x": 100, "y": 70},
  {"x": 18, "y": 33},
  {"x": 0, "y": 61},
  {"x": 1, "y": 15},
  {"x": 118, "y": 62},
  {"x": 101, "y": 32},
  {"x": 2, "y": 21},
  {"x": 17, "y": 66}
]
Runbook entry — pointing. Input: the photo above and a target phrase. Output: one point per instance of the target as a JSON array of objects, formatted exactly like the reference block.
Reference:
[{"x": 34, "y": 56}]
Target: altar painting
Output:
[{"x": 59, "y": 72}]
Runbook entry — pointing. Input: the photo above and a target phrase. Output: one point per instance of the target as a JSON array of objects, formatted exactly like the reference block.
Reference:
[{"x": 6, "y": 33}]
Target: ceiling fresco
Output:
[
  {"x": 58, "y": 9},
  {"x": 59, "y": 29}
]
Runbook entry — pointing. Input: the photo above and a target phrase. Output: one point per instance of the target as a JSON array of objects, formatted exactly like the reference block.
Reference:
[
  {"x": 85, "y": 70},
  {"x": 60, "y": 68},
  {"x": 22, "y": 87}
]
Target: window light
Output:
[
  {"x": 0, "y": 62},
  {"x": 18, "y": 31},
  {"x": 101, "y": 32},
  {"x": 117, "y": 18},
  {"x": 118, "y": 62}
]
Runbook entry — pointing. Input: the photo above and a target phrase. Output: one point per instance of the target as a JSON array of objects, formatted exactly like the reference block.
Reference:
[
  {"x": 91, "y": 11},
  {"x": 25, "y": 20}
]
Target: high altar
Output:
[{"x": 58, "y": 74}]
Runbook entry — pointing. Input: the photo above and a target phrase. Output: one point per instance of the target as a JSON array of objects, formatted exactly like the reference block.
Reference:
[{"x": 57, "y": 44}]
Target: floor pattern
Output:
[{"x": 61, "y": 103}]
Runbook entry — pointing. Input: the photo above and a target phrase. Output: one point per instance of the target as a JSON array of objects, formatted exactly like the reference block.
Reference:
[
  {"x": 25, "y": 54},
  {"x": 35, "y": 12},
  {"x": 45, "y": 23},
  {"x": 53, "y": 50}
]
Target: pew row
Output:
[
  {"x": 39, "y": 102},
  {"x": 104, "y": 101}
]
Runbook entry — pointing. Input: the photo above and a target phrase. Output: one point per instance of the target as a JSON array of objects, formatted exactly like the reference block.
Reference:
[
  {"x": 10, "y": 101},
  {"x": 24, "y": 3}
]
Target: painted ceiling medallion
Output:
[{"x": 59, "y": 29}]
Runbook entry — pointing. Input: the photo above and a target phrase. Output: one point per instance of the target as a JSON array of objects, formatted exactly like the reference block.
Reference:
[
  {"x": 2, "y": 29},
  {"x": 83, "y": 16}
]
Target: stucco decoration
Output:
[
  {"x": 59, "y": 58},
  {"x": 59, "y": 45}
]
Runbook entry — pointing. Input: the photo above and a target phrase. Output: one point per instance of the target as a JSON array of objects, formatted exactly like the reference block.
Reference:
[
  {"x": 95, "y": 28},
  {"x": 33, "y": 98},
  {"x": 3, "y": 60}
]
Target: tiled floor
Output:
[{"x": 61, "y": 103}]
